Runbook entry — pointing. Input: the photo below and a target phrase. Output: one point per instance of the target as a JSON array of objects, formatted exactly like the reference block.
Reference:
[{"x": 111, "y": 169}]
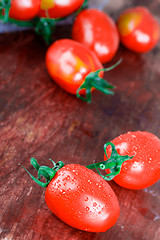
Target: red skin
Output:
[
  {"x": 24, "y": 9},
  {"x": 82, "y": 199},
  {"x": 143, "y": 170},
  {"x": 69, "y": 62},
  {"x": 138, "y": 29},
  {"x": 97, "y": 31},
  {"x": 61, "y": 10}
]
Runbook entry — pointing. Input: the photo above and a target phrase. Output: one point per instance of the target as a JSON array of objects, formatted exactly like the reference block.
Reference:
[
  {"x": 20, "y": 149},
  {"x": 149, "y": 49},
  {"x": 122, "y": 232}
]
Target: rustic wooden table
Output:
[{"x": 37, "y": 118}]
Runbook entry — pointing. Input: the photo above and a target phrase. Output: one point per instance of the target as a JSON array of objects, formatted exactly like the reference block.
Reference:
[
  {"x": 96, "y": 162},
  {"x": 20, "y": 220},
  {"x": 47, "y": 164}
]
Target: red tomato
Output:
[
  {"x": 82, "y": 199},
  {"x": 59, "y": 8},
  {"x": 97, "y": 31},
  {"x": 138, "y": 29},
  {"x": 68, "y": 62},
  {"x": 24, "y": 9},
  {"x": 143, "y": 170}
]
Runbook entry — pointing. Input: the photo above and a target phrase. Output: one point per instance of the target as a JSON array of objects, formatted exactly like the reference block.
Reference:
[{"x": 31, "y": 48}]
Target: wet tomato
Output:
[
  {"x": 24, "y": 9},
  {"x": 72, "y": 65},
  {"x": 143, "y": 170},
  {"x": 82, "y": 199},
  {"x": 78, "y": 196},
  {"x": 96, "y": 30},
  {"x": 138, "y": 29},
  {"x": 59, "y": 8}
]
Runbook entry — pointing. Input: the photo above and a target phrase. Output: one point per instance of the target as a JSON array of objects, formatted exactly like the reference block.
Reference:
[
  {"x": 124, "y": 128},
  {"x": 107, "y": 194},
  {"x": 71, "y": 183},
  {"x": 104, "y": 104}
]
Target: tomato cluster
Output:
[
  {"x": 83, "y": 199},
  {"x": 77, "y": 67},
  {"x": 76, "y": 194}
]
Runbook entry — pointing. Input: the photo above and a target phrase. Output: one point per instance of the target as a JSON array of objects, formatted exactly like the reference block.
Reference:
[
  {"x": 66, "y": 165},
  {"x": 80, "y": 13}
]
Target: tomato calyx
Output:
[
  {"x": 5, "y": 4},
  {"x": 93, "y": 80},
  {"x": 113, "y": 165},
  {"x": 47, "y": 172}
]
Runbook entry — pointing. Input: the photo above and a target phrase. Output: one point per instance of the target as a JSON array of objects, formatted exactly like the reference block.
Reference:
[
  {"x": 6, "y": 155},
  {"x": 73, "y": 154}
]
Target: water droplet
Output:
[
  {"x": 87, "y": 208},
  {"x": 94, "y": 204},
  {"x": 73, "y": 170},
  {"x": 89, "y": 181}
]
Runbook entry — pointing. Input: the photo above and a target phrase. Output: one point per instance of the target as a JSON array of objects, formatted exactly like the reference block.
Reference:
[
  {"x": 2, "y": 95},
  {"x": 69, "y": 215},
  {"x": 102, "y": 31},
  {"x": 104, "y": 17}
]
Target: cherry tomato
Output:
[
  {"x": 138, "y": 29},
  {"x": 68, "y": 62},
  {"x": 59, "y": 8},
  {"x": 76, "y": 69},
  {"x": 143, "y": 170},
  {"x": 96, "y": 30},
  {"x": 24, "y": 9},
  {"x": 82, "y": 199}
]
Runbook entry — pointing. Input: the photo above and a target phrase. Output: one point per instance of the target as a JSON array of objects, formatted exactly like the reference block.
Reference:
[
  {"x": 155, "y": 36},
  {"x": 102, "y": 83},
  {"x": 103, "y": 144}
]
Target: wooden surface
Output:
[{"x": 39, "y": 119}]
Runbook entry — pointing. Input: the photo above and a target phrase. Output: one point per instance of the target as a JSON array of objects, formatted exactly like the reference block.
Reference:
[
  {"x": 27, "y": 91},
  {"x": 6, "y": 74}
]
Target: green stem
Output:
[
  {"x": 113, "y": 164},
  {"x": 93, "y": 80},
  {"x": 46, "y": 172}
]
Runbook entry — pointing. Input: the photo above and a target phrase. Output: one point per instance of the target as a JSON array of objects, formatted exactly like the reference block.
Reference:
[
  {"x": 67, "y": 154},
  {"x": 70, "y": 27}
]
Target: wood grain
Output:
[{"x": 39, "y": 119}]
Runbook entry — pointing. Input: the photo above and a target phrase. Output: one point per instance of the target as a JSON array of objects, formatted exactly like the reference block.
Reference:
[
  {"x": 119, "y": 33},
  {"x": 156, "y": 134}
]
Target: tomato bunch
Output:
[{"x": 83, "y": 199}]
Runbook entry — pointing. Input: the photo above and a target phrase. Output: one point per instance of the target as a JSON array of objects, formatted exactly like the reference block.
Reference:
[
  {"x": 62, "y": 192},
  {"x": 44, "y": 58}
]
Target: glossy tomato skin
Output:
[
  {"x": 97, "y": 30},
  {"x": 69, "y": 62},
  {"x": 82, "y": 199},
  {"x": 143, "y": 170},
  {"x": 59, "y": 8},
  {"x": 138, "y": 29},
  {"x": 24, "y": 9}
]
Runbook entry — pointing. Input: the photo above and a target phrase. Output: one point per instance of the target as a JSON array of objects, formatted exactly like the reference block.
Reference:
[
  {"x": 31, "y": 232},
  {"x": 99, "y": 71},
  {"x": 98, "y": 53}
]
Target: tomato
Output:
[
  {"x": 69, "y": 64},
  {"x": 138, "y": 29},
  {"x": 96, "y": 30},
  {"x": 78, "y": 196},
  {"x": 82, "y": 199},
  {"x": 24, "y": 9},
  {"x": 59, "y": 8},
  {"x": 143, "y": 170}
]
